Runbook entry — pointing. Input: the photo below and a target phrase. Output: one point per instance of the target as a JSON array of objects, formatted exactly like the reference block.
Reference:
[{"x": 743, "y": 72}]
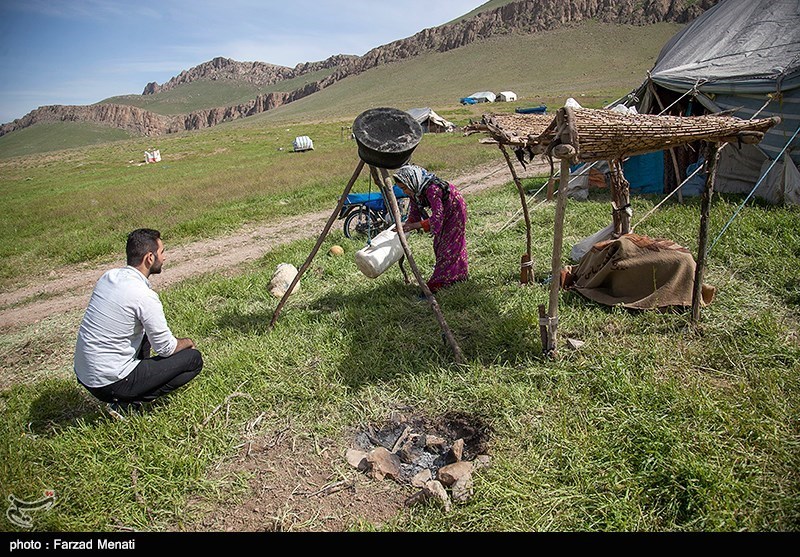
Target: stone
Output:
[
  {"x": 462, "y": 489},
  {"x": 575, "y": 344},
  {"x": 481, "y": 461},
  {"x": 382, "y": 464},
  {"x": 357, "y": 459},
  {"x": 450, "y": 474},
  {"x": 434, "y": 444},
  {"x": 421, "y": 478},
  {"x": 282, "y": 279},
  {"x": 435, "y": 490},
  {"x": 456, "y": 452}
]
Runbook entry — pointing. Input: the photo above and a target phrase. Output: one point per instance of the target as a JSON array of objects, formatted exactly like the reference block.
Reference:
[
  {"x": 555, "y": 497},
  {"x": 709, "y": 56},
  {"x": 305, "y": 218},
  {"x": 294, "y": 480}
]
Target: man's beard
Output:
[{"x": 155, "y": 268}]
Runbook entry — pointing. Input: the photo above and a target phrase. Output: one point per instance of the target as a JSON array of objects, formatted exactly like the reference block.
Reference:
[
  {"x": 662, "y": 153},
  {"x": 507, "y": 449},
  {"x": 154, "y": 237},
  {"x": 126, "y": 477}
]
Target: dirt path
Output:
[{"x": 69, "y": 288}]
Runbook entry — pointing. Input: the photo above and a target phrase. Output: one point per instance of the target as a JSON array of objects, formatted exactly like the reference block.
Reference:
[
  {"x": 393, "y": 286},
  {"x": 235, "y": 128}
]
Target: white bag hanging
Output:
[{"x": 384, "y": 251}]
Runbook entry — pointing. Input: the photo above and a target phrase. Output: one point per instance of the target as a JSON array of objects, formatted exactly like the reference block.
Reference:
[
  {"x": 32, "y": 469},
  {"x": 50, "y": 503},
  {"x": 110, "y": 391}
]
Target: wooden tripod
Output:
[{"x": 381, "y": 177}]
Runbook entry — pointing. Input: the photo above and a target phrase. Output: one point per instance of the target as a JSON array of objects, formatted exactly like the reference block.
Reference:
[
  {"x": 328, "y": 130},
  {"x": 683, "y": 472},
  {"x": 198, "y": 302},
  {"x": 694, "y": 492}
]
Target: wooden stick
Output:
[
  {"x": 565, "y": 152},
  {"x": 321, "y": 238},
  {"x": 525, "y": 271},
  {"x": 386, "y": 185},
  {"x": 712, "y": 155}
]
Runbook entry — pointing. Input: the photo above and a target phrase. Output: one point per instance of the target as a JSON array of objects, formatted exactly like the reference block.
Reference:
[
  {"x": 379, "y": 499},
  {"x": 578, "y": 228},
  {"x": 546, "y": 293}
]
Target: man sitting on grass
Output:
[{"x": 124, "y": 320}]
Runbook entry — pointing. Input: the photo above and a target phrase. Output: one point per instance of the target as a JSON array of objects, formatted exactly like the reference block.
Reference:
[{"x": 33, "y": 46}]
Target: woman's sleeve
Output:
[
  {"x": 437, "y": 210},
  {"x": 413, "y": 212}
]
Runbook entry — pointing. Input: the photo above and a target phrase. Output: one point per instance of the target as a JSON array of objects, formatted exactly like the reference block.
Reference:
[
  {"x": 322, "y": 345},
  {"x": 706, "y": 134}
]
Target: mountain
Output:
[{"x": 520, "y": 17}]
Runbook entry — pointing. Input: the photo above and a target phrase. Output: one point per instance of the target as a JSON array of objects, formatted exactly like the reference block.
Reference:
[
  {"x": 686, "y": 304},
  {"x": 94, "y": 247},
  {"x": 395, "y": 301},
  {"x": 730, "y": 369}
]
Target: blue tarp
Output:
[
  {"x": 532, "y": 110},
  {"x": 645, "y": 173}
]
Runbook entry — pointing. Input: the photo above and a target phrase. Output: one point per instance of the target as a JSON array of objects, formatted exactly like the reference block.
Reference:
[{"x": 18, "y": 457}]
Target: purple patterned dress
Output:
[{"x": 448, "y": 225}]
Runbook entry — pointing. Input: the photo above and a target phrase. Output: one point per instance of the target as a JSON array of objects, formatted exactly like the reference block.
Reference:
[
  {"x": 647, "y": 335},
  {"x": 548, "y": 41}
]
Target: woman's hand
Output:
[{"x": 411, "y": 226}]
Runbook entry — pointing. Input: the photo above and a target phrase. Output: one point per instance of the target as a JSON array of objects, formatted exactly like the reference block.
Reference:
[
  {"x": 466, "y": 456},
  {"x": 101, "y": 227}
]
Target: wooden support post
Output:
[
  {"x": 321, "y": 238},
  {"x": 386, "y": 187},
  {"x": 712, "y": 155},
  {"x": 565, "y": 153},
  {"x": 620, "y": 199},
  {"x": 526, "y": 264}
]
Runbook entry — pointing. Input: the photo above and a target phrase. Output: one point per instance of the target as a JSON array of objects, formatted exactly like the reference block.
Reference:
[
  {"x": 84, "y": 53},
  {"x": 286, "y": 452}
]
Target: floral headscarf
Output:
[{"x": 416, "y": 179}]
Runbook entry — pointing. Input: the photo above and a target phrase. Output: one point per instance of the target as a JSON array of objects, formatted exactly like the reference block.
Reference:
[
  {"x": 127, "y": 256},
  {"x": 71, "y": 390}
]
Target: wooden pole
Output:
[
  {"x": 565, "y": 153},
  {"x": 386, "y": 186},
  {"x": 712, "y": 155},
  {"x": 526, "y": 264},
  {"x": 321, "y": 238}
]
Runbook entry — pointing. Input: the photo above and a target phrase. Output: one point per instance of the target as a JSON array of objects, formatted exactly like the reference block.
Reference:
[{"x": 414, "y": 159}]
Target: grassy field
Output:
[
  {"x": 76, "y": 206},
  {"x": 652, "y": 426}
]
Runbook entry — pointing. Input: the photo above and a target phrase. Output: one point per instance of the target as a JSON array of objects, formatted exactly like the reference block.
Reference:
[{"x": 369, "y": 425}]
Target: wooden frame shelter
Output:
[{"x": 588, "y": 135}]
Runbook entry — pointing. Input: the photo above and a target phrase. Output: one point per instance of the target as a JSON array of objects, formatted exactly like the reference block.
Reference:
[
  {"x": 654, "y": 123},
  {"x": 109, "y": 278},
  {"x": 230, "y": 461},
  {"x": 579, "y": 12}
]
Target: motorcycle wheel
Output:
[{"x": 361, "y": 224}]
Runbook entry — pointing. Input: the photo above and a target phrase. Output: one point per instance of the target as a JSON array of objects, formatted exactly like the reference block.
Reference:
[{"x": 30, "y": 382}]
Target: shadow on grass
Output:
[
  {"x": 60, "y": 405},
  {"x": 390, "y": 330}
]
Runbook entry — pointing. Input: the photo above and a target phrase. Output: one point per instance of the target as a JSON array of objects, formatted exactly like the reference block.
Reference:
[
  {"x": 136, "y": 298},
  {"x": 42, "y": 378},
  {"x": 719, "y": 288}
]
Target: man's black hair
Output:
[{"x": 141, "y": 242}]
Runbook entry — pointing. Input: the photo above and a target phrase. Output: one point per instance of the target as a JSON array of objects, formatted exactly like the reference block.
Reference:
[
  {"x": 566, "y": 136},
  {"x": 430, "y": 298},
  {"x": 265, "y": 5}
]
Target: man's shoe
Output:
[
  {"x": 115, "y": 411},
  {"x": 120, "y": 410}
]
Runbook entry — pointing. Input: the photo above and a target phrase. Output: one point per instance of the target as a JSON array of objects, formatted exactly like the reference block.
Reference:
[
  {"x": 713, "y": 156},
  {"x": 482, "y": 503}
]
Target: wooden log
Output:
[
  {"x": 321, "y": 238},
  {"x": 385, "y": 182},
  {"x": 526, "y": 273},
  {"x": 712, "y": 156}
]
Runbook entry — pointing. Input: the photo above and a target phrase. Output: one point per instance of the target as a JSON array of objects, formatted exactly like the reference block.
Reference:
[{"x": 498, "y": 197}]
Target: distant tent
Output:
[
  {"x": 506, "y": 96},
  {"x": 303, "y": 143},
  {"x": 742, "y": 56},
  {"x": 483, "y": 97},
  {"x": 430, "y": 121}
]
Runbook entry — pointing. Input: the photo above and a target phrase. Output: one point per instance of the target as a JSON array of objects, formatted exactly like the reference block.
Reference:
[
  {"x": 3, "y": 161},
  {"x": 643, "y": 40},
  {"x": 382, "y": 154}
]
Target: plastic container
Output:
[{"x": 384, "y": 251}]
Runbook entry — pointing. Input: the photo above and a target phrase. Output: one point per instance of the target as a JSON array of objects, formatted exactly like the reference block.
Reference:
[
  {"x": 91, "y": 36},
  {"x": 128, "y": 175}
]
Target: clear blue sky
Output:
[{"x": 83, "y": 51}]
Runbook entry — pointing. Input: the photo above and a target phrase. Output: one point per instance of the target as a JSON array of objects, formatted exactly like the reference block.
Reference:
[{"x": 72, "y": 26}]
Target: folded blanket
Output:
[{"x": 637, "y": 272}]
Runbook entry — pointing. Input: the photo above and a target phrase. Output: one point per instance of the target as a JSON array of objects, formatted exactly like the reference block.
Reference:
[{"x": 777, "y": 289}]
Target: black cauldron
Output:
[{"x": 386, "y": 137}]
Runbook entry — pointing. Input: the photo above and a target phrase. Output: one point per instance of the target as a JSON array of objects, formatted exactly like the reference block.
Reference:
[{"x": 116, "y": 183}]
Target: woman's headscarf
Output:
[{"x": 417, "y": 179}]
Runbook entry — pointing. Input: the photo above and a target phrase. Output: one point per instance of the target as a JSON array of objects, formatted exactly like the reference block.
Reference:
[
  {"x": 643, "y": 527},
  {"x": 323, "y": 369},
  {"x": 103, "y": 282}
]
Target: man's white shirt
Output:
[{"x": 121, "y": 310}]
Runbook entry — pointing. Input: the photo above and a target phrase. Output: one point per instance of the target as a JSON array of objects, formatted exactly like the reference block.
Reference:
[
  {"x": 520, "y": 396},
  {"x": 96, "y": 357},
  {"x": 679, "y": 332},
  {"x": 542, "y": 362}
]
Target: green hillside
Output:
[
  {"x": 601, "y": 63},
  {"x": 54, "y": 136},
  {"x": 204, "y": 94}
]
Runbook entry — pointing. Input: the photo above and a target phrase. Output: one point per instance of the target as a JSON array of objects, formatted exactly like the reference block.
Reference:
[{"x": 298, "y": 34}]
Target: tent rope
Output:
[{"x": 775, "y": 160}]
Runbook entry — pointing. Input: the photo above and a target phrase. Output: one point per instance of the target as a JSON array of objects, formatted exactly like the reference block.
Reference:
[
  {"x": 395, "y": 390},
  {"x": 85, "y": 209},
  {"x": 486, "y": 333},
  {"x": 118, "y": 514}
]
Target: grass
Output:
[
  {"x": 76, "y": 206},
  {"x": 652, "y": 426}
]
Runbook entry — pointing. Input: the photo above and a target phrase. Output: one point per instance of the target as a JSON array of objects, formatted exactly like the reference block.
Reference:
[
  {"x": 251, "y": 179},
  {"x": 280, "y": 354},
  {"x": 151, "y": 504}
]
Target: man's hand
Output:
[{"x": 183, "y": 344}]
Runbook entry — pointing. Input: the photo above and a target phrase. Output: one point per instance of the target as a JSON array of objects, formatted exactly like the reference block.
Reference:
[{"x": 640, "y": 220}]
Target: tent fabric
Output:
[
  {"x": 741, "y": 56},
  {"x": 430, "y": 121},
  {"x": 507, "y": 96},
  {"x": 303, "y": 143},
  {"x": 483, "y": 96}
]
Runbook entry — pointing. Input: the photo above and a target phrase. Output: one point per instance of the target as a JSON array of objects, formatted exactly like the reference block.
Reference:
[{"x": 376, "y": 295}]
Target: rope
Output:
[
  {"x": 673, "y": 192},
  {"x": 775, "y": 160}
]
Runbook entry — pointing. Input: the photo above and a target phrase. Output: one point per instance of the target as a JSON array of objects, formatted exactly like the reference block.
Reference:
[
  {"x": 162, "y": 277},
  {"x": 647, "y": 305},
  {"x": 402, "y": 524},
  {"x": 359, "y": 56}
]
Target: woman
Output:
[{"x": 447, "y": 221}]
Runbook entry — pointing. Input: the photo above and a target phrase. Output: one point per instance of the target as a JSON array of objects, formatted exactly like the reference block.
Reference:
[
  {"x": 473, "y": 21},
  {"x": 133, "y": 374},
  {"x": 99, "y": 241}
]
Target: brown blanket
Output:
[{"x": 637, "y": 272}]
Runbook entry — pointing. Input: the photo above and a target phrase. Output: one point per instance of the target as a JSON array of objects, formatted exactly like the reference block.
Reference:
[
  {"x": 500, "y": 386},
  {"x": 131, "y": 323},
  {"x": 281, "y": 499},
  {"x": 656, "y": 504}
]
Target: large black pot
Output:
[{"x": 386, "y": 137}]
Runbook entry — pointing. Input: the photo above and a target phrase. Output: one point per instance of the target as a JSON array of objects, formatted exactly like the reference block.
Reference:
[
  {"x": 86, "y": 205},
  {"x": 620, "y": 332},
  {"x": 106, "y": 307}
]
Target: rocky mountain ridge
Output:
[{"x": 523, "y": 16}]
